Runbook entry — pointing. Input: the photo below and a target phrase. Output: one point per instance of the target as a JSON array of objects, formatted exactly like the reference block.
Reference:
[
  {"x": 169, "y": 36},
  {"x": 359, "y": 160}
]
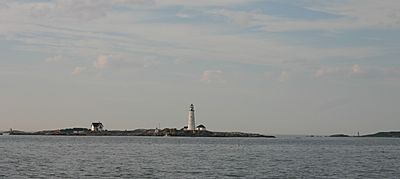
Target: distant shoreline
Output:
[{"x": 391, "y": 134}]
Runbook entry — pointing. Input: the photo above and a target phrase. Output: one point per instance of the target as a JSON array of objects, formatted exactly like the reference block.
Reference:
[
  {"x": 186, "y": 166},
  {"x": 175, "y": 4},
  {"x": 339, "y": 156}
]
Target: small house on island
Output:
[
  {"x": 201, "y": 127},
  {"x": 96, "y": 127}
]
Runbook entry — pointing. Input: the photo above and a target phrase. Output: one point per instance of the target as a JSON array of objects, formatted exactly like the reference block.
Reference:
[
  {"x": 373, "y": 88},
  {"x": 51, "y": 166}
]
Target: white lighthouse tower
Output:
[{"x": 191, "y": 124}]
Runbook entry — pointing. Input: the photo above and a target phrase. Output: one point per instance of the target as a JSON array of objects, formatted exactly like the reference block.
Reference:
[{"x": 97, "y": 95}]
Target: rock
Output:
[{"x": 339, "y": 135}]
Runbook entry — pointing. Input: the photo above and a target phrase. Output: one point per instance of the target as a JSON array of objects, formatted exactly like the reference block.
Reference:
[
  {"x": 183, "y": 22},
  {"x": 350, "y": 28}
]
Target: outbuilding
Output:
[
  {"x": 97, "y": 126},
  {"x": 201, "y": 127}
]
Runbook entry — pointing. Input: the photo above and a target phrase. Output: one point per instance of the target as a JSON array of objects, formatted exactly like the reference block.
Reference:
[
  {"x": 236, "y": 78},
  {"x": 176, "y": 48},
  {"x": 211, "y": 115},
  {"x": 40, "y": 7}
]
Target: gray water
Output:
[{"x": 172, "y": 157}]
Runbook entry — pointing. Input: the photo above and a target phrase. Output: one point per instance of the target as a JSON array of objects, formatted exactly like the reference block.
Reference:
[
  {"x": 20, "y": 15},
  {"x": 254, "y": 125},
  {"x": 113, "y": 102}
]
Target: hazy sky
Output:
[{"x": 268, "y": 66}]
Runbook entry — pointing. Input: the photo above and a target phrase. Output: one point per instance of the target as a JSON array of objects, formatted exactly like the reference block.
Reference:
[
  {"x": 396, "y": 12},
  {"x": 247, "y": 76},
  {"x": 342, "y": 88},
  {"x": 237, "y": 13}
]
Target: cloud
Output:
[
  {"x": 83, "y": 11},
  {"x": 326, "y": 71},
  {"x": 78, "y": 70},
  {"x": 124, "y": 62},
  {"x": 56, "y": 58},
  {"x": 279, "y": 76},
  {"x": 64, "y": 9},
  {"x": 330, "y": 71},
  {"x": 62, "y": 32},
  {"x": 197, "y": 3},
  {"x": 237, "y": 17},
  {"x": 366, "y": 13},
  {"x": 284, "y": 76},
  {"x": 101, "y": 62},
  {"x": 346, "y": 15},
  {"x": 189, "y": 40},
  {"x": 180, "y": 61},
  {"x": 182, "y": 15},
  {"x": 356, "y": 69},
  {"x": 212, "y": 76}
]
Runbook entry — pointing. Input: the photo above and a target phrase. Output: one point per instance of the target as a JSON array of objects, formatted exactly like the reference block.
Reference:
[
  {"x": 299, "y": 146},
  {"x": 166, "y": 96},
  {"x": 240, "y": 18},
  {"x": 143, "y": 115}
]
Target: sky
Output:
[{"x": 268, "y": 66}]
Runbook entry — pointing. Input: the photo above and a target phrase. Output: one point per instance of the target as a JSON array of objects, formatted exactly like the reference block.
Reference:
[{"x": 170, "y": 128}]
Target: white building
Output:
[
  {"x": 96, "y": 126},
  {"x": 201, "y": 127},
  {"x": 191, "y": 122}
]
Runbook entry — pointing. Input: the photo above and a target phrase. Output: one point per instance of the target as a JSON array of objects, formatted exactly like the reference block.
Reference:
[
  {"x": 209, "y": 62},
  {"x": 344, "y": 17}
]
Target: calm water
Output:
[{"x": 168, "y": 157}]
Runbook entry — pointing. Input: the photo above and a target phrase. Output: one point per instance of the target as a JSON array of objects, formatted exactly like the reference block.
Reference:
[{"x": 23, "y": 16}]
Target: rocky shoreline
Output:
[{"x": 140, "y": 132}]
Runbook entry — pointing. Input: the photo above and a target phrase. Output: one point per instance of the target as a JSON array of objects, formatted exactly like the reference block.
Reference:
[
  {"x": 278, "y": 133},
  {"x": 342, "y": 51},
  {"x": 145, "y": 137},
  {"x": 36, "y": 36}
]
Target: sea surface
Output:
[{"x": 180, "y": 157}]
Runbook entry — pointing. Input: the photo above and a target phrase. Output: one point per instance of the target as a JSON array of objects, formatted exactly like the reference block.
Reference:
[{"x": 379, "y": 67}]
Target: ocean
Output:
[{"x": 180, "y": 157}]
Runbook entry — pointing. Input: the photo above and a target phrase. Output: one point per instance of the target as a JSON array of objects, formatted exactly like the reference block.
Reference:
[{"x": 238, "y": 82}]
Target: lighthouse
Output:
[{"x": 191, "y": 124}]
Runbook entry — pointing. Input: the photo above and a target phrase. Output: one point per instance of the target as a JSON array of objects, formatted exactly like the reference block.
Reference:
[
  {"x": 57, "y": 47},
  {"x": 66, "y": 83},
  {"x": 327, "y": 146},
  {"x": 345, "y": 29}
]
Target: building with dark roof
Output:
[
  {"x": 96, "y": 126},
  {"x": 201, "y": 127}
]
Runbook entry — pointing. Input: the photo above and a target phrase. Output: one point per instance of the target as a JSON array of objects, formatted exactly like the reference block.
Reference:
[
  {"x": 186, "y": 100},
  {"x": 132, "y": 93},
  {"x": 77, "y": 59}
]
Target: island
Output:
[
  {"x": 97, "y": 129},
  {"x": 384, "y": 134},
  {"x": 140, "y": 132},
  {"x": 339, "y": 135},
  {"x": 378, "y": 134}
]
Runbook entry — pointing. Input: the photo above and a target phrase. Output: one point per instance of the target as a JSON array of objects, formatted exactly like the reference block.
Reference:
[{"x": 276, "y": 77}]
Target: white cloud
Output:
[
  {"x": 78, "y": 70},
  {"x": 101, "y": 62},
  {"x": 284, "y": 76},
  {"x": 356, "y": 69},
  {"x": 212, "y": 76}
]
